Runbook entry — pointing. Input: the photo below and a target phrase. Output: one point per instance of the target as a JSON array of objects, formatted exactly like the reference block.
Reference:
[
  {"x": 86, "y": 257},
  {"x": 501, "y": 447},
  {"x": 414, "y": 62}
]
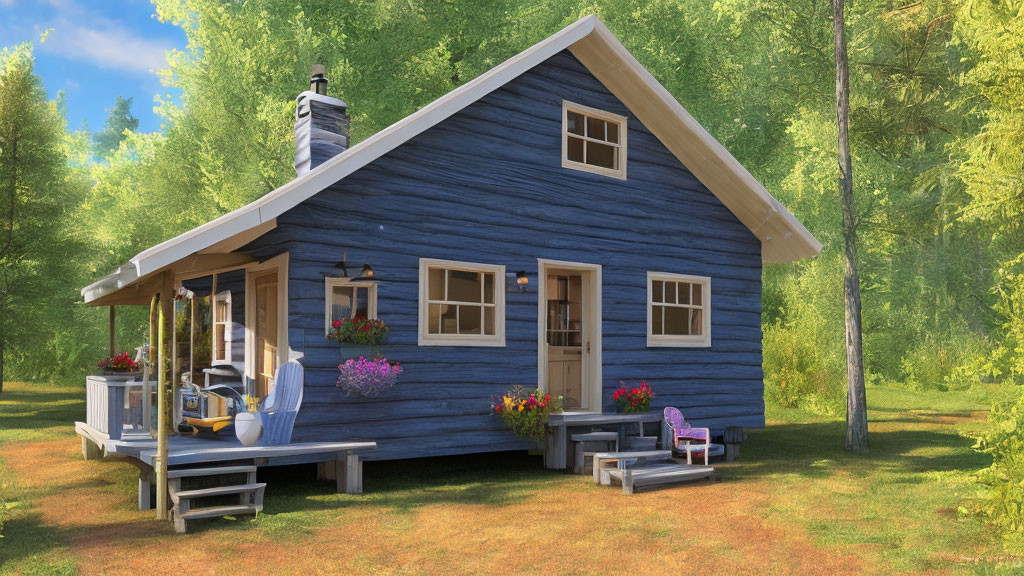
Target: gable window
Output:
[
  {"x": 593, "y": 140},
  {"x": 461, "y": 304},
  {"x": 678, "y": 310},
  {"x": 346, "y": 300},
  {"x": 222, "y": 328}
]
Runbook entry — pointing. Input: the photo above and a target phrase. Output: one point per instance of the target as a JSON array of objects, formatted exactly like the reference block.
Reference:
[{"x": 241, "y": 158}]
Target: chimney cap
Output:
[{"x": 317, "y": 79}]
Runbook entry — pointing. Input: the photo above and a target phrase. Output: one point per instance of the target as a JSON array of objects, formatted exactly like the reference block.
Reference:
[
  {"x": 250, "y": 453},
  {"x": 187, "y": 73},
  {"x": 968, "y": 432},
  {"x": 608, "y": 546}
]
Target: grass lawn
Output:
[{"x": 796, "y": 503}]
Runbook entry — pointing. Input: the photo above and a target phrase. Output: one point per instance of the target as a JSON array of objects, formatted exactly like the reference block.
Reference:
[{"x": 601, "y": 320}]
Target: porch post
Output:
[
  {"x": 113, "y": 346},
  {"x": 166, "y": 314},
  {"x": 161, "y": 412}
]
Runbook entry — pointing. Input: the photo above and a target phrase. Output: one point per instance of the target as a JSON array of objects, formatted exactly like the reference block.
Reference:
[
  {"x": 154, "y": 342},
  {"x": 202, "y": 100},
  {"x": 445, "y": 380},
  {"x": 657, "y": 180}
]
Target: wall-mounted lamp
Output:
[{"x": 366, "y": 275}]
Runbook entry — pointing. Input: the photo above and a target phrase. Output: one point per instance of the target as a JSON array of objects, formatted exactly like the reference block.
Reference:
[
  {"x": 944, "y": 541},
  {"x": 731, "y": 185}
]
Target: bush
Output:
[
  {"x": 945, "y": 362},
  {"x": 1003, "y": 500},
  {"x": 799, "y": 375}
]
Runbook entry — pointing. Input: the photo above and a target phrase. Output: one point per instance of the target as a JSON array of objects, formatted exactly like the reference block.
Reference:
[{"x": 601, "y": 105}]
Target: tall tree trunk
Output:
[
  {"x": 856, "y": 403},
  {"x": 1, "y": 367}
]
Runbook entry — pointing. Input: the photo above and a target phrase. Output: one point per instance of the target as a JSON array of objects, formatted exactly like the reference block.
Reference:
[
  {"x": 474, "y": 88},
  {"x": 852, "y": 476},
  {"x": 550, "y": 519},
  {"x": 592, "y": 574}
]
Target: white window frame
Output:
[
  {"x": 567, "y": 107},
  {"x": 496, "y": 339},
  {"x": 227, "y": 342},
  {"x": 672, "y": 340},
  {"x": 371, "y": 298}
]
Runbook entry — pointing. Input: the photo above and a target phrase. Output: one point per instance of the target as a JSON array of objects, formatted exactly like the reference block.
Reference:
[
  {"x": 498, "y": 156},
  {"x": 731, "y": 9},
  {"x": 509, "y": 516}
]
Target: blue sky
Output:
[{"x": 96, "y": 51}]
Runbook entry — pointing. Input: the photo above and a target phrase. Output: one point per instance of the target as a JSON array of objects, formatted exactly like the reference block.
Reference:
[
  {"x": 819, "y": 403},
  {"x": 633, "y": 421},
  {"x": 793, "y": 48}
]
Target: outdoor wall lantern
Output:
[{"x": 365, "y": 275}]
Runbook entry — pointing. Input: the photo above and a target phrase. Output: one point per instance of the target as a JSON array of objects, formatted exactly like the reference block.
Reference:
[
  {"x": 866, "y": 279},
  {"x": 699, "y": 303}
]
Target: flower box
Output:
[{"x": 367, "y": 378}]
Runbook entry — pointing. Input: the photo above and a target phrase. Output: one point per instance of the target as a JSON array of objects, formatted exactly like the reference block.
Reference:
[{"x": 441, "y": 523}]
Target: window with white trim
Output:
[
  {"x": 678, "y": 310},
  {"x": 593, "y": 140},
  {"x": 347, "y": 299},
  {"x": 461, "y": 304},
  {"x": 222, "y": 328}
]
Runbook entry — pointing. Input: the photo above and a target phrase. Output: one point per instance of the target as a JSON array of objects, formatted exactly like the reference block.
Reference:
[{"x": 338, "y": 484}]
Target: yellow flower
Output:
[
  {"x": 508, "y": 401},
  {"x": 521, "y": 407}
]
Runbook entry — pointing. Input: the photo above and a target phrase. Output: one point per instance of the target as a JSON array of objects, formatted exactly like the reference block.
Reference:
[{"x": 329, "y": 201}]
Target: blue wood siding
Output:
[{"x": 487, "y": 186}]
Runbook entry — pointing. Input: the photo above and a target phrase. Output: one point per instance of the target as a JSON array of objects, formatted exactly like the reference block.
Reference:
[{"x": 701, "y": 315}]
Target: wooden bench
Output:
[
  {"x": 607, "y": 461},
  {"x": 646, "y": 475}
]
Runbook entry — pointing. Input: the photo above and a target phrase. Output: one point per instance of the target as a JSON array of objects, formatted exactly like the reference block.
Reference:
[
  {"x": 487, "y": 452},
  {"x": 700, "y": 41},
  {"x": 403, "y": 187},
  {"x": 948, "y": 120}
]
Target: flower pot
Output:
[{"x": 248, "y": 427}]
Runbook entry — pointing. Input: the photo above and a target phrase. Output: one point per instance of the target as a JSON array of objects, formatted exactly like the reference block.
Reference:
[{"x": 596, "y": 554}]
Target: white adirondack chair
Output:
[{"x": 280, "y": 407}]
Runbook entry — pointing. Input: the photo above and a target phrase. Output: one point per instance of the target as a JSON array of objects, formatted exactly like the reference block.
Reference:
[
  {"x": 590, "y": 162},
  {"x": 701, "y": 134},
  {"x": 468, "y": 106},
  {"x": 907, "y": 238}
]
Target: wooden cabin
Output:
[{"x": 559, "y": 222}]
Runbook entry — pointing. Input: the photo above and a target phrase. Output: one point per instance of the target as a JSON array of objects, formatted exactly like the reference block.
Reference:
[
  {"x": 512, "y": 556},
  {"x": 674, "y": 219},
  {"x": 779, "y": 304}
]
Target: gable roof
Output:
[{"x": 783, "y": 237}]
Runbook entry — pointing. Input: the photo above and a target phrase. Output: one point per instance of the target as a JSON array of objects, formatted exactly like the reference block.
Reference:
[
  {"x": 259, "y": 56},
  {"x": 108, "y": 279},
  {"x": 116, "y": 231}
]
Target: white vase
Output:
[{"x": 248, "y": 427}]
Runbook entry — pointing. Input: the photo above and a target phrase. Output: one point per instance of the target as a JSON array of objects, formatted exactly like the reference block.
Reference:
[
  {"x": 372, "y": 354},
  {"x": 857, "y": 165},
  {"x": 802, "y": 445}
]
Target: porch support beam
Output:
[{"x": 113, "y": 342}]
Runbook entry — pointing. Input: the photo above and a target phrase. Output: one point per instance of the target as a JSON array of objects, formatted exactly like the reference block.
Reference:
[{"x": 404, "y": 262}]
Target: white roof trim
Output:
[{"x": 776, "y": 226}]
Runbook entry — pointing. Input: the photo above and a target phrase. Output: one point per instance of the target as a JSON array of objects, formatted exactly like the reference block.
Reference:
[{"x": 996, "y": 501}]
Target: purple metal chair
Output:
[{"x": 681, "y": 430}]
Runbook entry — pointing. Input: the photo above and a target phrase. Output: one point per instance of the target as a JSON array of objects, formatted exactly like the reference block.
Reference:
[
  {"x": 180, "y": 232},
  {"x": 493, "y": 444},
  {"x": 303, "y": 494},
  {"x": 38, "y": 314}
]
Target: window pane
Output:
[
  {"x": 670, "y": 292},
  {"x": 696, "y": 322},
  {"x": 574, "y": 151},
  {"x": 595, "y": 128},
  {"x": 601, "y": 155},
  {"x": 656, "y": 324},
  {"x": 469, "y": 319},
  {"x": 697, "y": 294},
  {"x": 218, "y": 335},
  {"x": 676, "y": 321},
  {"x": 657, "y": 291},
  {"x": 684, "y": 292},
  {"x": 489, "y": 321},
  {"x": 449, "y": 316},
  {"x": 488, "y": 287},
  {"x": 463, "y": 286},
  {"x": 434, "y": 318},
  {"x": 435, "y": 284},
  {"x": 613, "y": 132},
  {"x": 341, "y": 302},
  {"x": 362, "y": 303},
  {"x": 575, "y": 123}
]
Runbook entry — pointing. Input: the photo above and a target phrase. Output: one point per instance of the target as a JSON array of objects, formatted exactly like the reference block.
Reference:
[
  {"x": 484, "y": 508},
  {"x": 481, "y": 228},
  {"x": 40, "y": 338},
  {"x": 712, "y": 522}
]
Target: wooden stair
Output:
[
  {"x": 250, "y": 494},
  {"x": 645, "y": 475}
]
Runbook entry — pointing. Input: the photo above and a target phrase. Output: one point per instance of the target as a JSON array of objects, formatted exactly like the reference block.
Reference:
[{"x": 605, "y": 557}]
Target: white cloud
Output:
[{"x": 106, "y": 44}]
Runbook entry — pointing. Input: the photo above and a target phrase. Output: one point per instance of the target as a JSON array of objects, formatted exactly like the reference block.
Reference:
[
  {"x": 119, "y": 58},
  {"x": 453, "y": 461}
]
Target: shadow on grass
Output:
[
  {"x": 802, "y": 448},
  {"x": 29, "y": 546}
]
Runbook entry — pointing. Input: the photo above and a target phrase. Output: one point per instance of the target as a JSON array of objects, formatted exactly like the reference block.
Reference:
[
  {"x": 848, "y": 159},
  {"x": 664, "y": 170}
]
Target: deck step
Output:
[
  {"x": 220, "y": 511},
  {"x": 655, "y": 474},
  {"x": 215, "y": 471},
  {"x": 218, "y": 491}
]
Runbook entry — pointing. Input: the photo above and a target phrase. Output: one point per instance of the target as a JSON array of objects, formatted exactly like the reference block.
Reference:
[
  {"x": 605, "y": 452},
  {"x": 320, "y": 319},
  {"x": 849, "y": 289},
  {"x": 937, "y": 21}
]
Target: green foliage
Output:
[
  {"x": 1004, "y": 480},
  {"x": 119, "y": 120},
  {"x": 39, "y": 194}
]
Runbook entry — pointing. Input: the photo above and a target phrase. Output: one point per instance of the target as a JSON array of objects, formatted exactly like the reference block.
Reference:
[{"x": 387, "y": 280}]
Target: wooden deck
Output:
[{"x": 338, "y": 461}]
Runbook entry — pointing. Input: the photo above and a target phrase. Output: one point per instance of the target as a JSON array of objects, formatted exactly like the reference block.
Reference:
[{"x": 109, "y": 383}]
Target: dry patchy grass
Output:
[{"x": 795, "y": 504}]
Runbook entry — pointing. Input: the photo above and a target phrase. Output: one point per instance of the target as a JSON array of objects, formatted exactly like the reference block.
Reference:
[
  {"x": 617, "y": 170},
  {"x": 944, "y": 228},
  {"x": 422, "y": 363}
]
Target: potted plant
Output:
[
  {"x": 368, "y": 378},
  {"x": 249, "y": 424},
  {"x": 359, "y": 335},
  {"x": 634, "y": 400},
  {"x": 526, "y": 412},
  {"x": 121, "y": 364}
]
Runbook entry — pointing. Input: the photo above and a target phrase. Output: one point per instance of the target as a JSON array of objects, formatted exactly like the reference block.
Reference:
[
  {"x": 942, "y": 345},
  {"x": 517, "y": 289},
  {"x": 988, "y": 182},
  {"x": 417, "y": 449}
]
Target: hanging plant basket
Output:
[
  {"x": 367, "y": 378},
  {"x": 358, "y": 331}
]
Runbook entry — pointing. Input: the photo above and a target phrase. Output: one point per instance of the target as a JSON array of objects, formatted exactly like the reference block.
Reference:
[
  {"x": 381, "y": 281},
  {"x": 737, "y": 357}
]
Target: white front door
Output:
[{"x": 569, "y": 346}]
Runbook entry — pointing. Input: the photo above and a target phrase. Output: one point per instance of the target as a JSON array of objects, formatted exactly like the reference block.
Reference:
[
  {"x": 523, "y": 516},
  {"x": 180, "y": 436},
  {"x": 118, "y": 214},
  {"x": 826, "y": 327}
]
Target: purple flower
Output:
[{"x": 368, "y": 378}]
